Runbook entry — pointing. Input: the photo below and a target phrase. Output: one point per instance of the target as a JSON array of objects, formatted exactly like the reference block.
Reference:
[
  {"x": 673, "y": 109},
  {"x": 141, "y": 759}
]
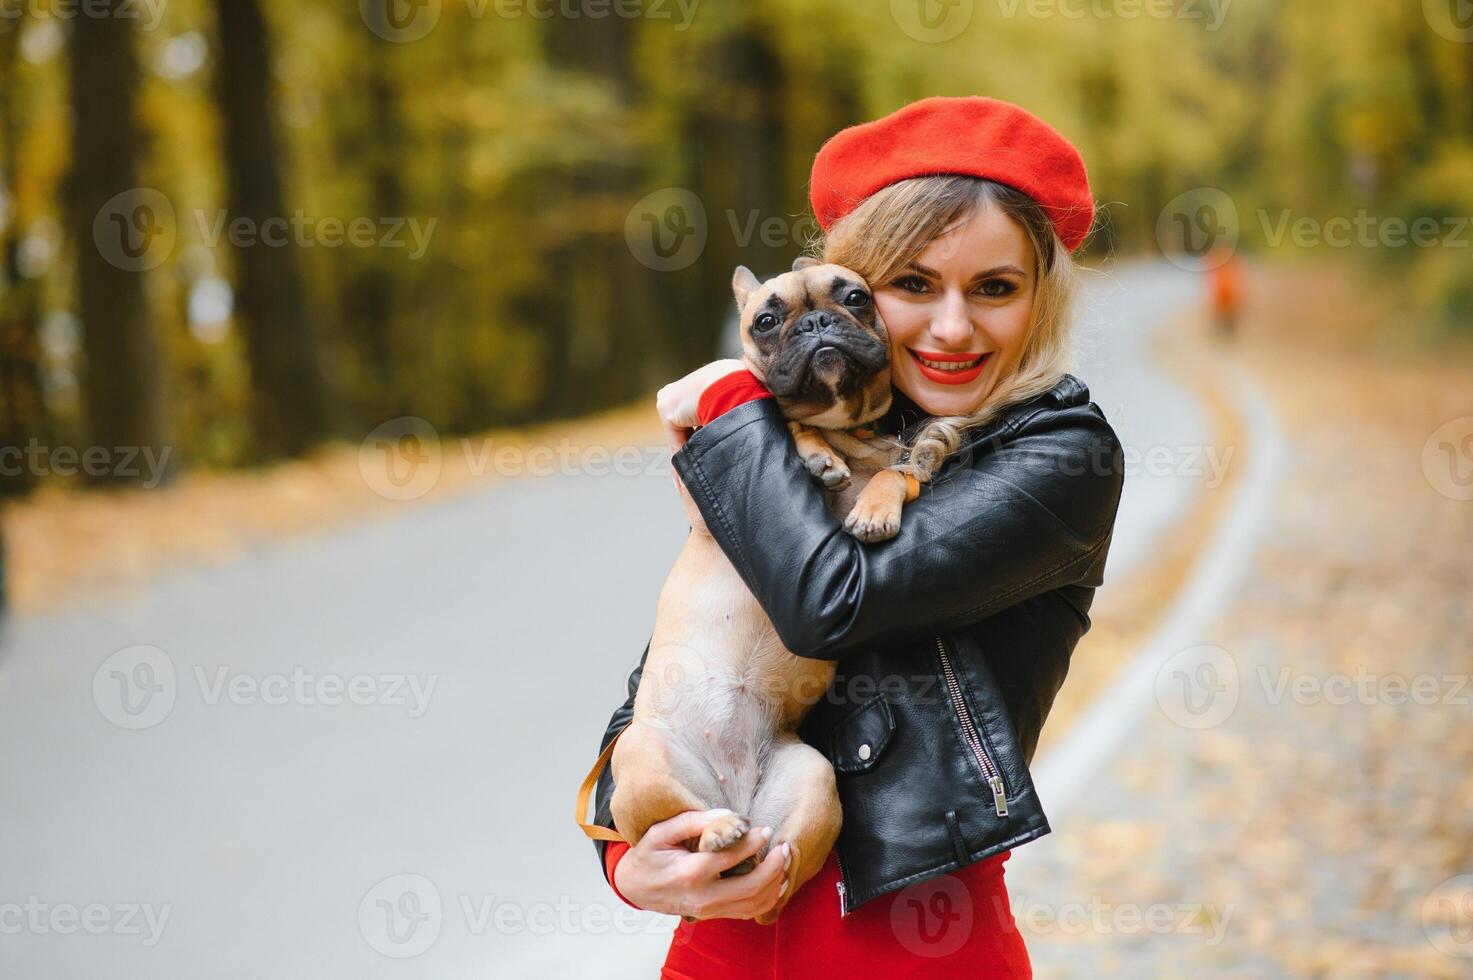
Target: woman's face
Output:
[{"x": 964, "y": 306}]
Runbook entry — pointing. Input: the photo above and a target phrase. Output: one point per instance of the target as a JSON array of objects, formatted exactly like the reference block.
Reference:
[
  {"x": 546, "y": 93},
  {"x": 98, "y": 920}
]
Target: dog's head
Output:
[{"x": 814, "y": 336}]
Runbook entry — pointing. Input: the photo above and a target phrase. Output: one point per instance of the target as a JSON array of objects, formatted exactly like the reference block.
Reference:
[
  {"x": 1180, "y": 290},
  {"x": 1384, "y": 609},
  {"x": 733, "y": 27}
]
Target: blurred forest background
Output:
[{"x": 499, "y": 157}]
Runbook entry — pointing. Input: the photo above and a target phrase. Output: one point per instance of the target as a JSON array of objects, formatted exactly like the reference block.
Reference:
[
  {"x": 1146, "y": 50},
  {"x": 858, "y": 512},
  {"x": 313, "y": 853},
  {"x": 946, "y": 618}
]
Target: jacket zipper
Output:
[
  {"x": 843, "y": 888},
  {"x": 970, "y": 734}
]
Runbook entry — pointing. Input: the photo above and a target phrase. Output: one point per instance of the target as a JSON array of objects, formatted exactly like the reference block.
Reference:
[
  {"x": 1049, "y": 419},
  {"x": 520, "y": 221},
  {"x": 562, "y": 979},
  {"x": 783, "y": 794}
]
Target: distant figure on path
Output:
[{"x": 1225, "y": 287}]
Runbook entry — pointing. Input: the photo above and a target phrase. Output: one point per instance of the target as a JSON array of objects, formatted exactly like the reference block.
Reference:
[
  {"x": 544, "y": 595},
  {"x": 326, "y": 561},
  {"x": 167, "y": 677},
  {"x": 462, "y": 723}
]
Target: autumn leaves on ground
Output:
[{"x": 1327, "y": 805}]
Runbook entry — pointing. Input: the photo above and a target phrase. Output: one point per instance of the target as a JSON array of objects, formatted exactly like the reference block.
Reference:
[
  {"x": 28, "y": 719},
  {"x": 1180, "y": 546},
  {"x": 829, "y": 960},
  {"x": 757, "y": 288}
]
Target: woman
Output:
[{"x": 951, "y": 639}]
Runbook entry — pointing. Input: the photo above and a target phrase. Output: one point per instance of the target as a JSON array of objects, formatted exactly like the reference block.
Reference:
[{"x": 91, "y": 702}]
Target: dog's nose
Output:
[{"x": 815, "y": 321}]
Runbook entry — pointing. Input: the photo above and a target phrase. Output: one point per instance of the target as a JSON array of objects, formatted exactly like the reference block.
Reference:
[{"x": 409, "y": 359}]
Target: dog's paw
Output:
[
  {"x": 723, "y": 828},
  {"x": 829, "y": 469},
  {"x": 871, "y": 524}
]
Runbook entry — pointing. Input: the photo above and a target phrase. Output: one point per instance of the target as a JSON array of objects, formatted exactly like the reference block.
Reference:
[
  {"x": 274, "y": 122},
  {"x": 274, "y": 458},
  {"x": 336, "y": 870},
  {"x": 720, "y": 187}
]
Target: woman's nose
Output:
[{"x": 952, "y": 324}]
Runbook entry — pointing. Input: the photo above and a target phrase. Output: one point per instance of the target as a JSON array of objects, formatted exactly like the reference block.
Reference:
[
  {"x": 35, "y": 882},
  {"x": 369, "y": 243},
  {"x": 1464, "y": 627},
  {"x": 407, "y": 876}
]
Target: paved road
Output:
[{"x": 345, "y": 749}]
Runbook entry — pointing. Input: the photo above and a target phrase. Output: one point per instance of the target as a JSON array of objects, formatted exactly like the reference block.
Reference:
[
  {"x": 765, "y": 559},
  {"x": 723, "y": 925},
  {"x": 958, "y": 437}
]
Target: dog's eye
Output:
[
  {"x": 856, "y": 299},
  {"x": 765, "y": 321}
]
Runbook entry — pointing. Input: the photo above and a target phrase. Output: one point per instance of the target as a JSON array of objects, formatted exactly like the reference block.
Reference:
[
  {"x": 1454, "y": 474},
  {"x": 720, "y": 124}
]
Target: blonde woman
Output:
[{"x": 952, "y": 638}]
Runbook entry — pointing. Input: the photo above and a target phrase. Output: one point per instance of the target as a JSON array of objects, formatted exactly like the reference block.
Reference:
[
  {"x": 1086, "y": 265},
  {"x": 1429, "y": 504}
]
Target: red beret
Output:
[{"x": 975, "y": 136}]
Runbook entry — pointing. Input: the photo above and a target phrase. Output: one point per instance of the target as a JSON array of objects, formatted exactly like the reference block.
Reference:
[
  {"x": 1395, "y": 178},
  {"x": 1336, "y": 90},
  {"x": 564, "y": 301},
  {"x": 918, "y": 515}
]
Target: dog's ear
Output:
[
  {"x": 743, "y": 285},
  {"x": 805, "y": 262}
]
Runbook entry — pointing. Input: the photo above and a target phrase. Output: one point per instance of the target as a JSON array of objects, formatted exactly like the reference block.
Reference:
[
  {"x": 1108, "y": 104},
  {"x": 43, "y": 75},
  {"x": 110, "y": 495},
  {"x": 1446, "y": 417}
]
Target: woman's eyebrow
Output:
[{"x": 1000, "y": 270}]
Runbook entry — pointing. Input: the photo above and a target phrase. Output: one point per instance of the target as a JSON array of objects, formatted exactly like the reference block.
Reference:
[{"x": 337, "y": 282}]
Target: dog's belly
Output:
[{"x": 714, "y": 652}]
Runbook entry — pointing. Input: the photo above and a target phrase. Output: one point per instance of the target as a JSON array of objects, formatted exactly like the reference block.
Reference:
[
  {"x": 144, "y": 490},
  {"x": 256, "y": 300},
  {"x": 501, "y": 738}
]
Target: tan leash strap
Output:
[{"x": 593, "y": 830}]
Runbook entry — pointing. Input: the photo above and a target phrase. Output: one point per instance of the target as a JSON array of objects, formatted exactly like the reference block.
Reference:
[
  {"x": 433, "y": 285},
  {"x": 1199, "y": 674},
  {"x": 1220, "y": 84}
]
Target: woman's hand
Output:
[
  {"x": 676, "y": 403},
  {"x": 662, "y": 875}
]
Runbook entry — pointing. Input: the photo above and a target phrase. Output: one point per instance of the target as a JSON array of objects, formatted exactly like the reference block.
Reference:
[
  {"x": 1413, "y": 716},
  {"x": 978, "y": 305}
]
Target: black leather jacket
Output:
[{"x": 951, "y": 639}]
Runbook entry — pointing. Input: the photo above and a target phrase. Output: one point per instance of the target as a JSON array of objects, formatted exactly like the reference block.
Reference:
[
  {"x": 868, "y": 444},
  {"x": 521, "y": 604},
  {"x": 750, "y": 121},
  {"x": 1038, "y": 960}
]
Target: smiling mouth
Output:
[
  {"x": 948, "y": 362},
  {"x": 951, "y": 369}
]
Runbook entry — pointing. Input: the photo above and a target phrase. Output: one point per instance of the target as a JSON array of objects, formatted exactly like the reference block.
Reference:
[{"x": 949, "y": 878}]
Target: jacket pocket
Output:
[{"x": 860, "y": 737}]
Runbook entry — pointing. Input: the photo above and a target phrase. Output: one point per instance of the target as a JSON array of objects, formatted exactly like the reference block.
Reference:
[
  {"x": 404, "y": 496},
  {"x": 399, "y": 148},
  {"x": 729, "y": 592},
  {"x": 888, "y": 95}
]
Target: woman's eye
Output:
[
  {"x": 911, "y": 284},
  {"x": 996, "y": 288},
  {"x": 857, "y": 298},
  {"x": 765, "y": 322}
]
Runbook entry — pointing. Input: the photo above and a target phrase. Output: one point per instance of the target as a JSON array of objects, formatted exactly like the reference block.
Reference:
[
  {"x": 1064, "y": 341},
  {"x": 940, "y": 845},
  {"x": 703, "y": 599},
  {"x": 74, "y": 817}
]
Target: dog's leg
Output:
[
  {"x": 648, "y": 788},
  {"x": 820, "y": 458},
  {"x": 875, "y": 515},
  {"x": 800, "y": 800}
]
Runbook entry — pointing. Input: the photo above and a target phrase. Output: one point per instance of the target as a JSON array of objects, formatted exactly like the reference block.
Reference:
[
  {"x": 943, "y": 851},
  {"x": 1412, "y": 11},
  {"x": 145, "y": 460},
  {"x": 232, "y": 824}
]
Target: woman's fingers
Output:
[
  {"x": 677, "y": 436},
  {"x": 677, "y": 830},
  {"x": 761, "y": 884},
  {"x": 678, "y": 403},
  {"x": 746, "y": 896},
  {"x": 708, "y": 895}
]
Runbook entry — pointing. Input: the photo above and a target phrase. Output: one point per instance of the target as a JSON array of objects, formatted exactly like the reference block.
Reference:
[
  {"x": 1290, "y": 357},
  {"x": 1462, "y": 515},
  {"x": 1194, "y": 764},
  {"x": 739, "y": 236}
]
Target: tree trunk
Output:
[
  {"x": 122, "y": 379},
  {"x": 289, "y": 398},
  {"x": 374, "y": 280},
  {"x": 22, "y": 411},
  {"x": 600, "y": 322}
]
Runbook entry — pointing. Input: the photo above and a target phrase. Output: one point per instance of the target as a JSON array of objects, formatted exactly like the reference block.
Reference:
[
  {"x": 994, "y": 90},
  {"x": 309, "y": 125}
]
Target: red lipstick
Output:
[{"x": 953, "y": 376}]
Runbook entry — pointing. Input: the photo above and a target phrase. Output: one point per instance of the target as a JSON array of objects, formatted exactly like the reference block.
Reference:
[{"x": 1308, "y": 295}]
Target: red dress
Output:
[{"x": 957, "y": 926}]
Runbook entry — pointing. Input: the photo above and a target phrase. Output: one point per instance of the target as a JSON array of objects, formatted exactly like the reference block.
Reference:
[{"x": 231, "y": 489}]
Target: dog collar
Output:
[
  {"x": 903, "y": 414},
  {"x": 882, "y": 426}
]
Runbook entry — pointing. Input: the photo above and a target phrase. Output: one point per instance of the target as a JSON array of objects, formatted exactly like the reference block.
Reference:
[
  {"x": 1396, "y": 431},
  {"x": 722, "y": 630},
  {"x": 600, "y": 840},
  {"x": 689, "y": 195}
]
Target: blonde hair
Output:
[{"x": 891, "y": 227}]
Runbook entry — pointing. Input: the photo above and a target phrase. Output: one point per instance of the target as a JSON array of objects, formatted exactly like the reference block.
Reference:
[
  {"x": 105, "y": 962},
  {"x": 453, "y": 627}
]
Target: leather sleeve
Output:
[
  {"x": 1024, "y": 512},
  {"x": 603, "y": 793}
]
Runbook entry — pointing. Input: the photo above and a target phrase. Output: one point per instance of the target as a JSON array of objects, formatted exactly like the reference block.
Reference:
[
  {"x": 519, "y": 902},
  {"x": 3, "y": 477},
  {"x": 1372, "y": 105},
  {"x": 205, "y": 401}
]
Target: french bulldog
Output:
[{"x": 720, "y": 700}]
